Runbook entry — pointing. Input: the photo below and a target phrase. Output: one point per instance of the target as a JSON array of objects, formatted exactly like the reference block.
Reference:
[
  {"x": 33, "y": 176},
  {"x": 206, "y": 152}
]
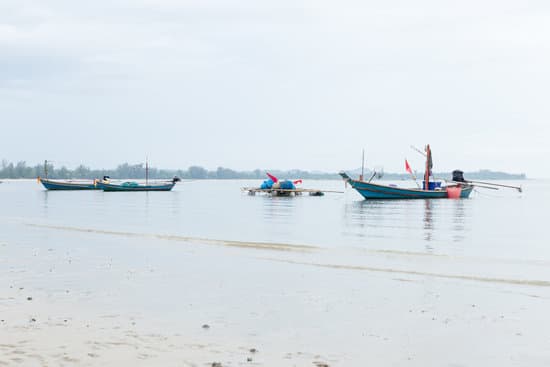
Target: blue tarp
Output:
[
  {"x": 267, "y": 184},
  {"x": 287, "y": 185}
]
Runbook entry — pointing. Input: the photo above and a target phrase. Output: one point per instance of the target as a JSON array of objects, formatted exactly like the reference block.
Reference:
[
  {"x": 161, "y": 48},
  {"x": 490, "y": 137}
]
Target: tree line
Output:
[{"x": 137, "y": 171}]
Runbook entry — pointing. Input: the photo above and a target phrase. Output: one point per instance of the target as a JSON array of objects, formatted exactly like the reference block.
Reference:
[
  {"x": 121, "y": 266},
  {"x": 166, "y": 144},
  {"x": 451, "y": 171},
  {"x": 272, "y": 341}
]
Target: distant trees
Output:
[
  {"x": 197, "y": 172},
  {"x": 137, "y": 171},
  {"x": 226, "y": 173},
  {"x": 19, "y": 170}
]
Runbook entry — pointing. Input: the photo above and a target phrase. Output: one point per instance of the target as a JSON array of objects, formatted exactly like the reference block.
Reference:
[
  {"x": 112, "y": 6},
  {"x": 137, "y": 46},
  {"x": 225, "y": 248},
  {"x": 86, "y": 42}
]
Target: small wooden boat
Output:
[
  {"x": 371, "y": 190},
  {"x": 135, "y": 186},
  {"x": 429, "y": 190},
  {"x": 286, "y": 192},
  {"x": 68, "y": 184}
]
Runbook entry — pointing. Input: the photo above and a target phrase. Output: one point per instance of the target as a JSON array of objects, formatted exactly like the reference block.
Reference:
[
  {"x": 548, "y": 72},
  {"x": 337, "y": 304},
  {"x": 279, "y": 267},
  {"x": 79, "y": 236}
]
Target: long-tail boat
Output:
[
  {"x": 135, "y": 186},
  {"x": 66, "y": 184},
  {"x": 459, "y": 188},
  {"x": 371, "y": 190}
]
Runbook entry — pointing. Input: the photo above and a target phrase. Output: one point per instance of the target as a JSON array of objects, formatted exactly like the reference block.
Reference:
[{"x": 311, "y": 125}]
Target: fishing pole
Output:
[
  {"x": 476, "y": 185},
  {"x": 494, "y": 184}
]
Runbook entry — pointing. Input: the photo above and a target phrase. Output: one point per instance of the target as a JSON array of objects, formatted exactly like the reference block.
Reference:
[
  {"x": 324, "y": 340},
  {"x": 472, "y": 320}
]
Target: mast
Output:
[
  {"x": 46, "y": 169},
  {"x": 146, "y": 170},
  {"x": 428, "y": 168}
]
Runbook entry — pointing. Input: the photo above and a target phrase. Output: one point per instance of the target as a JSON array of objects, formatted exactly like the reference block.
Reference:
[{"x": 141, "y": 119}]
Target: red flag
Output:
[
  {"x": 273, "y": 178},
  {"x": 407, "y": 167}
]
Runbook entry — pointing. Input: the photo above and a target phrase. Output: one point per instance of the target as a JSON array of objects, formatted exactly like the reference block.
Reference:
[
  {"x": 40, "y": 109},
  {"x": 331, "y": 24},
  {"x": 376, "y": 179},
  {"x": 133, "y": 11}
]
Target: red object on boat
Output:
[
  {"x": 273, "y": 178},
  {"x": 297, "y": 182},
  {"x": 454, "y": 192},
  {"x": 407, "y": 167}
]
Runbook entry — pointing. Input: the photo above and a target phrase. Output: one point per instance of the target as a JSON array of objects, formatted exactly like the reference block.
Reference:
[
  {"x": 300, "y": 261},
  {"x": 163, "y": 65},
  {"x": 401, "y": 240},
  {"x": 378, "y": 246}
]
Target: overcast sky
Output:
[{"x": 280, "y": 84}]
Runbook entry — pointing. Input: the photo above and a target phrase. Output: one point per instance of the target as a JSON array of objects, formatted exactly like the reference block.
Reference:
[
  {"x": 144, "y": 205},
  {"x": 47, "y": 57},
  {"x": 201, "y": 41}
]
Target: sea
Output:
[{"x": 501, "y": 224}]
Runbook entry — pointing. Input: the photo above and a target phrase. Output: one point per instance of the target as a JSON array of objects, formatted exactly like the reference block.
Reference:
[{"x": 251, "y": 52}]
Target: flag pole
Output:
[{"x": 408, "y": 169}]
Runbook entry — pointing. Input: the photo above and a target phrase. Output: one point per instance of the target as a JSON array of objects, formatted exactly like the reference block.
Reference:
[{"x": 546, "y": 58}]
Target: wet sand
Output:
[{"x": 93, "y": 297}]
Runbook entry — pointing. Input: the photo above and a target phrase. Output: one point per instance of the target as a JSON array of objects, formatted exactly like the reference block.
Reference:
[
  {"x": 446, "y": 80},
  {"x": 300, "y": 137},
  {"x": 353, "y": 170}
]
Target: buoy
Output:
[{"x": 454, "y": 192}]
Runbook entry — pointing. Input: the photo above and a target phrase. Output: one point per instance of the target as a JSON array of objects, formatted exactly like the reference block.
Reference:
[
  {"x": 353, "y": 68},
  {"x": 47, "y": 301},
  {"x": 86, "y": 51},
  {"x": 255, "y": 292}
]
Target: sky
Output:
[{"x": 276, "y": 84}]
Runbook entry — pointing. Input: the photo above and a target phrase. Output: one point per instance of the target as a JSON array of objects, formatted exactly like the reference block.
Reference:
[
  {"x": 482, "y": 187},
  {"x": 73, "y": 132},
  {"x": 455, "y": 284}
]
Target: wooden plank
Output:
[{"x": 257, "y": 189}]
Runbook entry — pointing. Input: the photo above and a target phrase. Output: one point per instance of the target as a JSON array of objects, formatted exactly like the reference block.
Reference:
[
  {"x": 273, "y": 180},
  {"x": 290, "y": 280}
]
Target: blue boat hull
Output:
[
  {"x": 375, "y": 191},
  {"x": 65, "y": 185},
  {"x": 123, "y": 188}
]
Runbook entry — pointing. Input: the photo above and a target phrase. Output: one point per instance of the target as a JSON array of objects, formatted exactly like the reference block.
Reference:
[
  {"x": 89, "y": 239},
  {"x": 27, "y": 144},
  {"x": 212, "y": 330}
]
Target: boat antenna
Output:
[
  {"x": 362, "y": 166},
  {"x": 408, "y": 169},
  {"x": 146, "y": 170},
  {"x": 418, "y": 150}
]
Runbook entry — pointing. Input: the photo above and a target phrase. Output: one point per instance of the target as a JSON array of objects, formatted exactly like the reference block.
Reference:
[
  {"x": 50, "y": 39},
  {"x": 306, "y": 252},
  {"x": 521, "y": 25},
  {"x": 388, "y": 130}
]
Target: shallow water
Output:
[
  {"x": 492, "y": 224},
  {"x": 490, "y": 220},
  {"x": 332, "y": 277}
]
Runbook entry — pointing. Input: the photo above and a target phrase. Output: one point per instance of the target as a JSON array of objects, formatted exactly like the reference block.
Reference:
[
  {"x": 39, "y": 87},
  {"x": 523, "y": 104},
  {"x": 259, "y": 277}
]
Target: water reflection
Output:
[
  {"x": 175, "y": 203},
  {"x": 459, "y": 221},
  {"x": 428, "y": 222},
  {"x": 431, "y": 221},
  {"x": 45, "y": 203},
  {"x": 279, "y": 208},
  {"x": 378, "y": 218}
]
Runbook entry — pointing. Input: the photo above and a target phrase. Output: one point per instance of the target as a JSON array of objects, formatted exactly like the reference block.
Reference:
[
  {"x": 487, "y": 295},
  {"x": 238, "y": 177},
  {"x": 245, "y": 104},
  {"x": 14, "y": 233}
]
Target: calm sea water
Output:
[{"x": 501, "y": 223}]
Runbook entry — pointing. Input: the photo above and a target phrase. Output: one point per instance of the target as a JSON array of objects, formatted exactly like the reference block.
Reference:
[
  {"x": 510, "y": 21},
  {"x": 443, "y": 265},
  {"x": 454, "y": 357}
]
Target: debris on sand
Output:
[{"x": 216, "y": 364}]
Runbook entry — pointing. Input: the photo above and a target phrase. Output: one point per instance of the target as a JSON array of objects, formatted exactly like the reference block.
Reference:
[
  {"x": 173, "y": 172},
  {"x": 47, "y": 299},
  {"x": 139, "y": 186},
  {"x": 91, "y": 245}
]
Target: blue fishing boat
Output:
[
  {"x": 371, "y": 190},
  {"x": 68, "y": 184},
  {"x": 135, "y": 186},
  {"x": 459, "y": 188}
]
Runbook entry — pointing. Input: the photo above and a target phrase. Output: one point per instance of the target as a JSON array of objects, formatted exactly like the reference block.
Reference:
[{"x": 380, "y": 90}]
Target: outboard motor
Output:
[
  {"x": 176, "y": 179},
  {"x": 458, "y": 176}
]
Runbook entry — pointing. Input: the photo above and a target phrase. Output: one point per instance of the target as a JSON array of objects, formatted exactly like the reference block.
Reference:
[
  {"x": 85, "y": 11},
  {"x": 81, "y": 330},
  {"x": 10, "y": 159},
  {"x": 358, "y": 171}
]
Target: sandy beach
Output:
[{"x": 74, "y": 296}]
